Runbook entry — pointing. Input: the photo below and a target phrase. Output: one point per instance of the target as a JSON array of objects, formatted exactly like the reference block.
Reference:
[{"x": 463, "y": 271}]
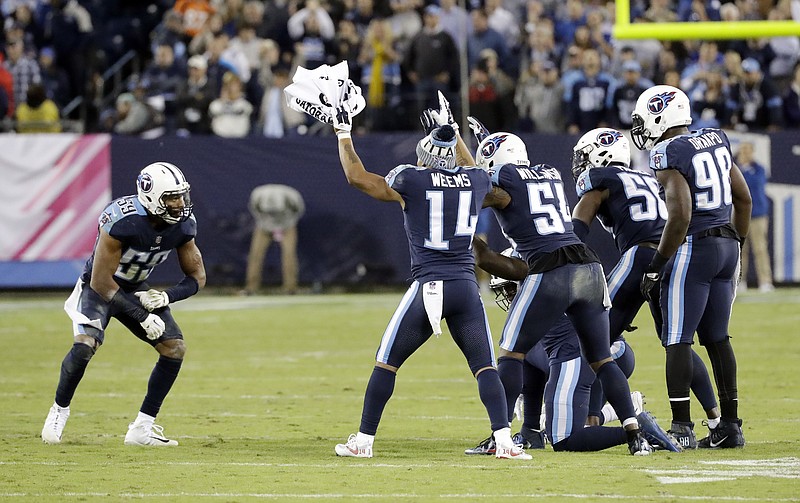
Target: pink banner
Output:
[{"x": 54, "y": 188}]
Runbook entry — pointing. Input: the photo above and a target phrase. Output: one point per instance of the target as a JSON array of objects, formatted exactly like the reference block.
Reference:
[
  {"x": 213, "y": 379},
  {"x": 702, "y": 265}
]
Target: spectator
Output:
[
  {"x": 566, "y": 25},
  {"x": 170, "y": 32},
  {"x": 757, "y": 242},
  {"x": 455, "y": 21},
  {"x": 360, "y": 15},
  {"x": 276, "y": 210},
  {"x": 37, "y": 114},
  {"x": 791, "y": 101},
  {"x": 709, "y": 61},
  {"x": 380, "y": 62},
  {"x": 660, "y": 11},
  {"x": 710, "y": 103},
  {"x": 348, "y": 48},
  {"x": 161, "y": 79},
  {"x": 540, "y": 45},
  {"x": 432, "y": 63},
  {"x": 54, "y": 79},
  {"x": 249, "y": 44},
  {"x": 276, "y": 118},
  {"x": 230, "y": 113},
  {"x": 484, "y": 101},
  {"x": 7, "y": 85},
  {"x": 193, "y": 99},
  {"x": 195, "y": 13},
  {"x": 504, "y": 22},
  {"x": 485, "y": 37},
  {"x": 504, "y": 86},
  {"x": 24, "y": 70},
  {"x": 275, "y": 24},
  {"x": 588, "y": 108},
  {"x": 787, "y": 52},
  {"x": 758, "y": 104},
  {"x": 201, "y": 42},
  {"x": 134, "y": 117},
  {"x": 624, "y": 96},
  {"x": 313, "y": 31},
  {"x": 539, "y": 99},
  {"x": 406, "y": 22}
]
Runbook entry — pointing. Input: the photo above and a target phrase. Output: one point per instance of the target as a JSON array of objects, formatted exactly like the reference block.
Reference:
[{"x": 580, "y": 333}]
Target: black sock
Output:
[
  {"x": 510, "y": 371},
  {"x": 615, "y": 386},
  {"x": 161, "y": 380},
  {"x": 679, "y": 370},
  {"x": 533, "y": 382},
  {"x": 492, "y": 395},
  {"x": 723, "y": 361},
  {"x": 701, "y": 383},
  {"x": 596, "y": 400},
  {"x": 379, "y": 391},
  {"x": 592, "y": 439},
  {"x": 72, "y": 368}
]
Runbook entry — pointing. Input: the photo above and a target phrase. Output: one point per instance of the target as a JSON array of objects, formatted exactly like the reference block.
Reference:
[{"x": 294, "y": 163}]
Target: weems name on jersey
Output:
[
  {"x": 439, "y": 179},
  {"x": 706, "y": 140},
  {"x": 538, "y": 172}
]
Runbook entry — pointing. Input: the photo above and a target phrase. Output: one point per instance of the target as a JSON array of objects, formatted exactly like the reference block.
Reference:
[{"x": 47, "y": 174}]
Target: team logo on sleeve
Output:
[
  {"x": 608, "y": 138},
  {"x": 145, "y": 182},
  {"x": 491, "y": 146},
  {"x": 659, "y": 102},
  {"x": 657, "y": 160}
]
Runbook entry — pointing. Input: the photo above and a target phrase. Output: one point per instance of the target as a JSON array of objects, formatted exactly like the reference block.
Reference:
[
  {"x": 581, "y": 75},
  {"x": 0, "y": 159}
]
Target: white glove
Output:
[
  {"x": 444, "y": 115},
  {"x": 342, "y": 121},
  {"x": 478, "y": 129},
  {"x": 154, "y": 326},
  {"x": 153, "y": 299}
]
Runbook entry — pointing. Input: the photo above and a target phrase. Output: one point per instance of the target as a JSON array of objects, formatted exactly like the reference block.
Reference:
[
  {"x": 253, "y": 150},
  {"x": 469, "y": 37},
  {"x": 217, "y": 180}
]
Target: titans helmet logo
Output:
[
  {"x": 492, "y": 145},
  {"x": 608, "y": 138},
  {"x": 145, "y": 183},
  {"x": 659, "y": 102}
]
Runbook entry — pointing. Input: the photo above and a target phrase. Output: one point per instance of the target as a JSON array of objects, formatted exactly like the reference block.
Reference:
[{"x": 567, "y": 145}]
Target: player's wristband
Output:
[
  {"x": 185, "y": 288},
  {"x": 343, "y": 134},
  {"x": 580, "y": 228},
  {"x": 657, "y": 263},
  {"x": 123, "y": 302}
]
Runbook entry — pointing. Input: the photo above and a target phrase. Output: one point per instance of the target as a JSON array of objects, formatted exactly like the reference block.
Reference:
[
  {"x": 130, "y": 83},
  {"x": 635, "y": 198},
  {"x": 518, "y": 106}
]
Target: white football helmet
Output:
[
  {"x": 658, "y": 109},
  {"x": 501, "y": 148},
  {"x": 504, "y": 289},
  {"x": 158, "y": 182},
  {"x": 599, "y": 148}
]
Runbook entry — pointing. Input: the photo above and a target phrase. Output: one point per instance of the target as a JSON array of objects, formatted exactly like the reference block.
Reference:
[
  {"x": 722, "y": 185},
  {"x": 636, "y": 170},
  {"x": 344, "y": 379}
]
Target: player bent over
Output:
[{"x": 136, "y": 233}]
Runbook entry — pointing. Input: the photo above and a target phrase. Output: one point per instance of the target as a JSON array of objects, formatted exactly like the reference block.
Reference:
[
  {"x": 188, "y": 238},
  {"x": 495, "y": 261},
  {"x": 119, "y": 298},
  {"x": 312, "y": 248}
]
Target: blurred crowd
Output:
[{"x": 219, "y": 66}]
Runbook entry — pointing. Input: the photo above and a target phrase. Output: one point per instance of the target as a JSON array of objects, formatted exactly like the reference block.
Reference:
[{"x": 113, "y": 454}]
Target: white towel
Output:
[
  {"x": 318, "y": 92},
  {"x": 78, "y": 318},
  {"x": 432, "y": 299}
]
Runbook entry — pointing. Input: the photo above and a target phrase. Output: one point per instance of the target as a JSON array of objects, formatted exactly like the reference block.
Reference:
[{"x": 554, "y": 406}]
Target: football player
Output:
[
  {"x": 627, "y": 203},
  {"x": 564, "y": 275},
  {"x": 697, "y": 260},
  {"x": 556, "y": 370},
  {"x": 440, "y": 201},
  {"x": 135, "y": 234}
]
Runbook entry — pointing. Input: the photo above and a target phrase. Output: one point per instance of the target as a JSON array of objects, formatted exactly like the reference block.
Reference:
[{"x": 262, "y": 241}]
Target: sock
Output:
[
  {"x": 596, "y": 400},
  {"x": 712, "y": 423},
  {"x": 161, "y": 380},
  {"x": 607, "y": 414},
  {"x": 723, "y": 361},
  {"x": 533, "y": 382},
  {"x": 510, "y": 371},
  {"x": 379, "y": 391},
  {"x": 72, "y": 369},
  {"x": 592, "y": 439},
  {"x": 490, "y": 389},
  {"x": 363, "y": 438},
  {"x": 143, "y": 418},
  {"x": 701, "y": 383},
  {"x": 615, "y": 386},
  {"x": 679, "y": 370}
]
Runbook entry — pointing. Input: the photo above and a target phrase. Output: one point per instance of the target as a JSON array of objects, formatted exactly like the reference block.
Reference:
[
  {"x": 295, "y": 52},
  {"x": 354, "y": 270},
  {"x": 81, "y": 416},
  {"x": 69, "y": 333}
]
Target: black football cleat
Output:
[
  {"x": 655, "y": 435},
  {"x": 727, "y": 435},
  {"x": 530, "y": 439},
  {"x": 684, "y": 434},
  {"x": 486, "y": 447}
]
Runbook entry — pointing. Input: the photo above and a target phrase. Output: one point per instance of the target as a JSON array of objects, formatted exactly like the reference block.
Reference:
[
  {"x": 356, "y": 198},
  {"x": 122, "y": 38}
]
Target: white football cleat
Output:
[
  {"x": 353, "y": 449},
  {"x": 638, "y": 402},
  {"x": 147, "y": 435},
  {"x": 506, "y": 448},
  {"x": 54, "y": 424}
]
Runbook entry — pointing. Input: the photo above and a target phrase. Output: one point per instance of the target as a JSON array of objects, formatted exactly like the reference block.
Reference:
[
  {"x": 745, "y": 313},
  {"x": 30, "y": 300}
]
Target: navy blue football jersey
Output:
[
  {"x": 704, "y": 159},
  {"x": 633, "y": 212},
  {"x": 440, "y": 216},
  {"x": 537, "y": 196},
  {"x": 143, "y": 247}
]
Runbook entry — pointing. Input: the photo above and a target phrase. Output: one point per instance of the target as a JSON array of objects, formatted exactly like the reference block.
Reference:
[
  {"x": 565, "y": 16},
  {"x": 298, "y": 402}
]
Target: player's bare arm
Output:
[
  {"x": 678, "y": 197},
  {"x": 510, "y": 268},
  {"x": 191, "y": 262},
  {"x": 369, "y": 183},
  {"x": 589, "y": 205},
  {"x": 742, "y": 202},
  {"x": 463, "y": 154},
  {"x": 106, "y": 260},
  {"x": 497, "y": 198}
]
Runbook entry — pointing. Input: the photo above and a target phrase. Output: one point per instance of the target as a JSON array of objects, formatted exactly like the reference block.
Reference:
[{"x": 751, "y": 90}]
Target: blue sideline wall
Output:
[{"x": 345, "y": 237}]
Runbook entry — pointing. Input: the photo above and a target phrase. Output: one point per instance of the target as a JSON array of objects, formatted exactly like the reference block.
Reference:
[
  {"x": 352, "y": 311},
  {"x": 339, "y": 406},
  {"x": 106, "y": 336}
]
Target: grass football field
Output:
[{"x": 271, "y": 383}]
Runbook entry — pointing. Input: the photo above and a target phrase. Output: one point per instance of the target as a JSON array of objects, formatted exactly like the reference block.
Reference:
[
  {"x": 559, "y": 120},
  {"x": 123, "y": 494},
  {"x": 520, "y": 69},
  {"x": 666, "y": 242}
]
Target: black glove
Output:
[
  {"x": 652, "y": 277},
  {"x": 428, "y": 121}
]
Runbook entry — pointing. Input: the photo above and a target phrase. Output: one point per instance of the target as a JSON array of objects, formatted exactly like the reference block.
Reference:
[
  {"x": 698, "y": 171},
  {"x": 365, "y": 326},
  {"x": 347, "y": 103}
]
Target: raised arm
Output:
[{"x": 369, "y": 183}]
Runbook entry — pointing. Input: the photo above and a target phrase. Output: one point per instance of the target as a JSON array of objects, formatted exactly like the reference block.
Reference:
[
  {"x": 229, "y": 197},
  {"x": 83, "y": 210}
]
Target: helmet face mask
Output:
[
  {"x": 599, "y": 148},
  {"x": 504, "y": 289},
  {"x": 498, "y": 149},
  {"x": 164, "y": 192},
  {"x": 658, "y": 109}
]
